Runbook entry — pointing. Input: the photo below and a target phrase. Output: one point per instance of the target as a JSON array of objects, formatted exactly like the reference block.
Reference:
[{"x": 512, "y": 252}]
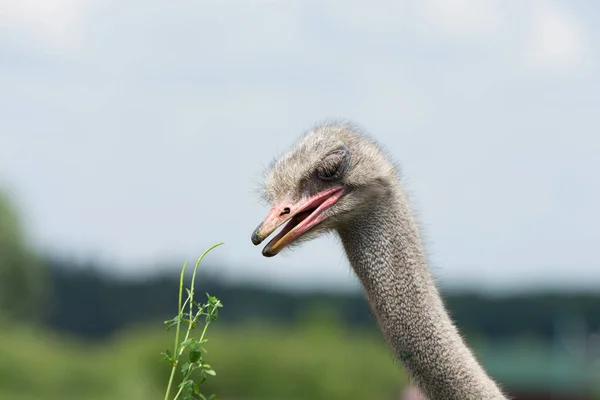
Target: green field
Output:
[{"x": 251, "y": 363}]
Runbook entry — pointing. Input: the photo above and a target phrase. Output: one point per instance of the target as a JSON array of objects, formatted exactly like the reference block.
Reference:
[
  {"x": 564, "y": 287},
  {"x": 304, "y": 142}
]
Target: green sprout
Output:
[{"x": 188, "y": 388}]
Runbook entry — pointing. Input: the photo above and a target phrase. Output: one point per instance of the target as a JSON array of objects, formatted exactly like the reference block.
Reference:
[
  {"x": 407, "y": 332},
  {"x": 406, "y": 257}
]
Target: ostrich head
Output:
[{"x": 331, "y": 176}]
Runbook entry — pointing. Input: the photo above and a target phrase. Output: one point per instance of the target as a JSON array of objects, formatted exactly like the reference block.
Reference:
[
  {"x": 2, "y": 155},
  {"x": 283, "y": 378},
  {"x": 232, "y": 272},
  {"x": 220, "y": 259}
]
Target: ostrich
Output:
[{"x": 337, "y": 179}]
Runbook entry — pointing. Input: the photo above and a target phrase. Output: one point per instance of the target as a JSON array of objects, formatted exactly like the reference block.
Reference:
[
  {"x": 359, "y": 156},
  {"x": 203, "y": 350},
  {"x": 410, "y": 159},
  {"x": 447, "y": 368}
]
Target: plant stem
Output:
[
  {"x": 176, "y": 333},
  {"x": 194, "y": 274},
  {"x": 177, "y": 352}
]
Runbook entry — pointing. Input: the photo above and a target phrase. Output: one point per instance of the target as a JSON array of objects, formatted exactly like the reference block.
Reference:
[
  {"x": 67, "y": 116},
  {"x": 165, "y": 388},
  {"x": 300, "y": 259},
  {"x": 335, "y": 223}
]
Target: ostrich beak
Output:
[{"x": 302, "y": 216}]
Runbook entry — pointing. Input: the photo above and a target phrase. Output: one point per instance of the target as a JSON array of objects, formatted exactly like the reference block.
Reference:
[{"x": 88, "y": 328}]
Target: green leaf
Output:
[
  {"x": 186, "y": 343},
  {"x": 172, "y": 322},
  {"x": 187, "y": 389},
  {"x": 195, "y": 353},
  {"x": 185, "y": 369},
  {"x": 186, "y": 384},
  {"x": 168, "y": 356},
  {"x": 195, "y": 365},
  {"x": 210, "y": 372}
]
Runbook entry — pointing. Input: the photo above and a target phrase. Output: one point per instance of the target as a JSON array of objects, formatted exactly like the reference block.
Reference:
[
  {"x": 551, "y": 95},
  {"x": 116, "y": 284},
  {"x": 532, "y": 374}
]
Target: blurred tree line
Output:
[{"x": 90, "y": 304}]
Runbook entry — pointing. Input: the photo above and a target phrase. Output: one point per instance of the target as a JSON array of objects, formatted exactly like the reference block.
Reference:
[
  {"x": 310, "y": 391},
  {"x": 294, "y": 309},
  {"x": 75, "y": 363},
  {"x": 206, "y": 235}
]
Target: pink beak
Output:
[{"x": 302, "y": 216}]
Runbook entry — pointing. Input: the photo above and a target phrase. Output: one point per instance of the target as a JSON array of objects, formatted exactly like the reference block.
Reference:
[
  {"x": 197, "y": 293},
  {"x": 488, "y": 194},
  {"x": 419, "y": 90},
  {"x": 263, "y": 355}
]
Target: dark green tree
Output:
[{"x": 21, "y": 273}]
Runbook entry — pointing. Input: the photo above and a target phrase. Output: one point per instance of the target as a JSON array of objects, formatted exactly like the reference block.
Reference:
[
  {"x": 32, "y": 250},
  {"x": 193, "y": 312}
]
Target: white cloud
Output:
[
  {"x": 557, "y": 40},
  {"x": 457, "y": 20},
  {"x": 53, "y": 23},
  {"x": 464, "y": 19}
]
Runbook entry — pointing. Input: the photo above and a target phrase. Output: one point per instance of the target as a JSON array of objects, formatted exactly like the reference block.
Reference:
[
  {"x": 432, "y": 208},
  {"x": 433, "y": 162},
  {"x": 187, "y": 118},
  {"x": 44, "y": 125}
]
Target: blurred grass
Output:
[{"x": 252, "y": 362}]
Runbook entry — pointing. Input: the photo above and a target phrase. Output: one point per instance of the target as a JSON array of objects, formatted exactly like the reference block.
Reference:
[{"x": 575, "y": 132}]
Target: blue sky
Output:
[{"x": 134, "y": 132}]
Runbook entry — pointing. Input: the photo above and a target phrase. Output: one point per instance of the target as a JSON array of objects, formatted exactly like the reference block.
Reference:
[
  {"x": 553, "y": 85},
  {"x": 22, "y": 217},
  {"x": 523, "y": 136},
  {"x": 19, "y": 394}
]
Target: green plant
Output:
[{"x": 188, "y": 389}]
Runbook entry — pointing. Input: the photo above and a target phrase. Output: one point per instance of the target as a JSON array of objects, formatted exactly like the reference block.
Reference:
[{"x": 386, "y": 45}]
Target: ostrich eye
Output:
[{"x": 334, "y": 165}]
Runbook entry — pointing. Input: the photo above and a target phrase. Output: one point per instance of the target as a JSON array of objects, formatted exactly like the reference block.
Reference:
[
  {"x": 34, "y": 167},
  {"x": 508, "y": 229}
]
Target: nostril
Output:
[{"x": 285, "y": 211}]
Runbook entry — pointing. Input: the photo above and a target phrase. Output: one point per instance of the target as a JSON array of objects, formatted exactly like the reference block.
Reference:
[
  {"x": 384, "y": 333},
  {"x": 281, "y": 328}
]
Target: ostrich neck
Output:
[{"x": 385, "y": 251}]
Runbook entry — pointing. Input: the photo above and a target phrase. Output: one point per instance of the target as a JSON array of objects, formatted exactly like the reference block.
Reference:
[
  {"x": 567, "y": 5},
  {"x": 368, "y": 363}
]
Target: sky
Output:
[{"x": 136, "y": 133}]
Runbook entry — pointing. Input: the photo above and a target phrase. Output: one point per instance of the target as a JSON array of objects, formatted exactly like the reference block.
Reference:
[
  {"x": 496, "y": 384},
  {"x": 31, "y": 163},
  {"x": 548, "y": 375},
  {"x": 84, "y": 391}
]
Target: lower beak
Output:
[{"x": 302, "y": 216}]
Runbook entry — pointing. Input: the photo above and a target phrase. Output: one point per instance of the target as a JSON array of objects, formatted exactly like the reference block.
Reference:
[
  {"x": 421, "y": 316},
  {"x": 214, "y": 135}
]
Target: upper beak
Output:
[
  {"x": 285, "y": 211},
  {"x": 278, "y": 215}
]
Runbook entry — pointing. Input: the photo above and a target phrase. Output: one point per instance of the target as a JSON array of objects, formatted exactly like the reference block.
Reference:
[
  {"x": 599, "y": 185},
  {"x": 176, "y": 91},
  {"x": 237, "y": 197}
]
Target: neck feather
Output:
[{"x": 384, "y": 248}]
